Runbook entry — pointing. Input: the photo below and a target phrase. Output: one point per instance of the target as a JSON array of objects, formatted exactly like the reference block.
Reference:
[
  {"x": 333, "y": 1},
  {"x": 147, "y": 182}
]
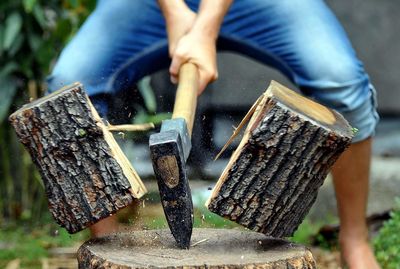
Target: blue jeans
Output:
[{"x": 124, "y": 40}]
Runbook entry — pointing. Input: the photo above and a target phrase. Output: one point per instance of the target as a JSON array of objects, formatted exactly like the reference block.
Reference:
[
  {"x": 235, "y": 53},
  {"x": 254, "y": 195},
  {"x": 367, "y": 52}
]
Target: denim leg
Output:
[
  {"x": 109, "y": 52},
  {"x": 304, "y": 40}
]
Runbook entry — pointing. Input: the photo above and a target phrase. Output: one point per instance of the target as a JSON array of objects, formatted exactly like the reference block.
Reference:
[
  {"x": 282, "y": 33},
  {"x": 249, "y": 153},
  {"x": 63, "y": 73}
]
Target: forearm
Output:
[
  {"x": 210, "y": 16},
  {"x": 196, "y": 43},
  {"x": 170, "y": 7}
]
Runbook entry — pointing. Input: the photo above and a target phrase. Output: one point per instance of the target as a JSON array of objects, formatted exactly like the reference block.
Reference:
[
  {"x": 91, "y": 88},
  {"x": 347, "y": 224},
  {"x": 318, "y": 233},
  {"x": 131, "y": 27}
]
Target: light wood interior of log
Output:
[
  {"x": 138, "y": 188},
  {"x": 293, "y": 101},
  {"x": 307, "y": 106},
  {"x": 257, "y": 116}
]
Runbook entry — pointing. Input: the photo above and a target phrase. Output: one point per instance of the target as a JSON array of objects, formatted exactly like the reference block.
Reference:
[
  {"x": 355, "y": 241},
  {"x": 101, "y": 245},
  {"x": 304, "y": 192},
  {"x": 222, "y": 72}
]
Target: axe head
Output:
[{"x": 169, "y": 150}]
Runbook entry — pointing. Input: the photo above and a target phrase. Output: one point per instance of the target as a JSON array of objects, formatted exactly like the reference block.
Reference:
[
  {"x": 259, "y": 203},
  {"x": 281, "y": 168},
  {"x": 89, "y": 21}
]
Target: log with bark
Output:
[
  {"x": 211, "y": 248},
  {"x": 287, "y": 150},
  {"x": 85, "y": 173}
]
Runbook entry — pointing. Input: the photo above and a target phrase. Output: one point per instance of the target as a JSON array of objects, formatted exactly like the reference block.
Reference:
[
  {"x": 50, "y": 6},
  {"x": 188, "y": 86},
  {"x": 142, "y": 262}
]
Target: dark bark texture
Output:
[
  {"x": 211, "y": 248},
  {"x": 83, "y": 180},
  {"x": 274, "y": 180}
]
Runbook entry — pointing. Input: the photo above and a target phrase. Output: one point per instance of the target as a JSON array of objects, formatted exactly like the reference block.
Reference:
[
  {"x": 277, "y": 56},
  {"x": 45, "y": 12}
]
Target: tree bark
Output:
[
  {"x": 211, "y": 248},
  {"x": 287, "y": 150},
  {"x": 85, "y": 173}
]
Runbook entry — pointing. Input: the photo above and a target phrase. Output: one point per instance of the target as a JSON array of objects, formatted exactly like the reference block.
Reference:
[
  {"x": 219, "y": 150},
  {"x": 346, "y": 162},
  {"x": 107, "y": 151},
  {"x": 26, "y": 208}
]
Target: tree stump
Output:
[
  {"x": 85, "y": 173},
  {"x": 211, "y": 248},
  {"x": 287, "y": 150}
]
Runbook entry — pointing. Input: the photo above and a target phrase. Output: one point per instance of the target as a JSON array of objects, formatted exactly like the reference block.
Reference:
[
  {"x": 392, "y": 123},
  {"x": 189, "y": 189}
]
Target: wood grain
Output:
[
  {"x": 85, "y": 173},
  {"x": 186, "y": 95},
  {"x": 211, "y": 248},
  {"x": 287, "y": 150}
]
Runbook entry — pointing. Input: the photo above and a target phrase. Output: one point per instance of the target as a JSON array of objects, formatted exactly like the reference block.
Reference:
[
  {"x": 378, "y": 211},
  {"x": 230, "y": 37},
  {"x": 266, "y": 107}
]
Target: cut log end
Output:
[
  {"x": 211, "y": 248},
  {"x": 85, "y": 173},
  {"x": 287, "y": 150},
  {"x": 313, "y": 111}
]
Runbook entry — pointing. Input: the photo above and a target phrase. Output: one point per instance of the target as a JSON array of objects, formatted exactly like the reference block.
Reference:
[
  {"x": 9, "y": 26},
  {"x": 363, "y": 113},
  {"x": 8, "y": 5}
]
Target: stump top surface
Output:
[{"x": 211, "y": 247}]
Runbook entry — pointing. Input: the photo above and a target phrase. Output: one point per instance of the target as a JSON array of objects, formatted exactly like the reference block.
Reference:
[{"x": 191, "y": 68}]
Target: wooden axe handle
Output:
[
  {"x": 130, "y": 127},
  {"x": 186, "y": 95}
]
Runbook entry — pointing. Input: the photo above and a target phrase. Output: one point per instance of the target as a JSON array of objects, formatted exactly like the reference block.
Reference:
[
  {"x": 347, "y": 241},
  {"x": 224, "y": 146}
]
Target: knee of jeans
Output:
[
  {"x": 65, "y": 72},
  {"x": 341, "y": 85},
  {"x": 60, "y": 77},
  {"x": 336, "y": 71},
  {"x": 363, "y": 118},
  {"x": 56, "y": 81},
  {"x": 74, "y": 66},
  {"x": 345, "y": 87}
]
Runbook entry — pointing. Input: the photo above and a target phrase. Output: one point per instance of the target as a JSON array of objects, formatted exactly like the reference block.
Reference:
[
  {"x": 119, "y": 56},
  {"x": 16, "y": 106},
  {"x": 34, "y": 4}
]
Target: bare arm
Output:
[
  {"x": 210, "y": 16},
  {"x": 179, "y": 20},
  {"x": 198, "y": 46}
]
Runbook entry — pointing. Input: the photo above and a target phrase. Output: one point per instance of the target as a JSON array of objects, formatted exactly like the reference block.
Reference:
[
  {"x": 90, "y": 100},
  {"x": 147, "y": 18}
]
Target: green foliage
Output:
[
  {"x": 32, "y": 32},
  {"x": 147, "y": 113},
  {"x": 204, "y": 218},
  {"x": 8, "y": 89},
  {"x": 12, "y": 31},
  {"x": 354, "y": 130},
  {"x": 147, "y": 92},
  {"x": 142, "y": 116},
  {"x": 29, "y": 245},
  {"x": 387, "y": 243},
  {"x": 305, "y": 233}
]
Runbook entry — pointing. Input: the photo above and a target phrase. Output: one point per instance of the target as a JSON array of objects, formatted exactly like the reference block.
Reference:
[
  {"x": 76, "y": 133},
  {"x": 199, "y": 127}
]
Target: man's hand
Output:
[
  {"x": 199, "y": 49},
  {"x": 192, "y": 38}
]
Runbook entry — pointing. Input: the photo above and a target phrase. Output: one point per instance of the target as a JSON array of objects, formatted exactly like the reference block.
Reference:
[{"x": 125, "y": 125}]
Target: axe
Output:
[{"x": 169, "y": 151}]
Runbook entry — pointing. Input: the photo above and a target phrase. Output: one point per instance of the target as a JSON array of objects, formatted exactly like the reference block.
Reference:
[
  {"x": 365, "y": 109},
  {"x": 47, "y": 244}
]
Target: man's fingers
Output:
[
  {"x": 205, "y": 77},
  {"x": 176, "y": 64},
  {"x": 174, "y": 79},
  {"x": 202, "y": 87}
]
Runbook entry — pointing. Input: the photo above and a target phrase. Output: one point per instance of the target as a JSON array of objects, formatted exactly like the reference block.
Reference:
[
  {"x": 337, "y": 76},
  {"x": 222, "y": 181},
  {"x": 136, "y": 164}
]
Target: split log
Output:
[
  {"x": 85, "y": 173},
  {"x": 287, "y": 150},
  {"x": 211, "y": 248}
]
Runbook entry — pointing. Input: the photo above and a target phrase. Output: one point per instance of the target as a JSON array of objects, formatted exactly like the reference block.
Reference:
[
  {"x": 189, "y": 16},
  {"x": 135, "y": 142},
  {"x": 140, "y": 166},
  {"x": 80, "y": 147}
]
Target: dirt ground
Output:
[{"x": 326, "y": 259}]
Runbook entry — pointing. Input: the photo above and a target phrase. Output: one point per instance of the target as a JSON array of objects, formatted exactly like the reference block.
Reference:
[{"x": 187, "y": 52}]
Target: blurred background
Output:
[{"x": 32, "y": 34}]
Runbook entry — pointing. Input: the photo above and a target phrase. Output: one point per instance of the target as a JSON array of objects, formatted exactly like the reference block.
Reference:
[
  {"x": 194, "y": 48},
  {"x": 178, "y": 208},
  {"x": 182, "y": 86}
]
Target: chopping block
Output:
[{"x": 211, "y": 248}]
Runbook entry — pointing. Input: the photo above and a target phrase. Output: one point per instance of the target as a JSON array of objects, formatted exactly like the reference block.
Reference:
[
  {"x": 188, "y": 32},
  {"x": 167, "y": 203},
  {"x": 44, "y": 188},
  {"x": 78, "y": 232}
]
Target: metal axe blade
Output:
[
  {"x": 168, "y": 159},
  {"x": 169, "y": 151}
]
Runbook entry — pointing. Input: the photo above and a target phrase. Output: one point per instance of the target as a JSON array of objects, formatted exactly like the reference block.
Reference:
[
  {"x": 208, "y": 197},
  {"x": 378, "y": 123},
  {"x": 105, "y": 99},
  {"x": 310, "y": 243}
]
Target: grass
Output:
[
  {"x": 387, "y": 243},
  {"x": 305, "y": 233},
  {"x": 31, "y": 243}
]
